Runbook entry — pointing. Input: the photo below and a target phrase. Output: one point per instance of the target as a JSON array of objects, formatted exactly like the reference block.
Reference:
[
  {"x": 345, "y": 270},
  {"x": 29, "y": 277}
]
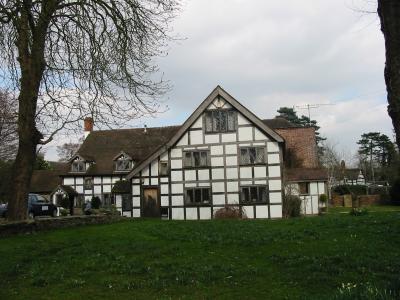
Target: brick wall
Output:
[{"x": 300, "y": 147}]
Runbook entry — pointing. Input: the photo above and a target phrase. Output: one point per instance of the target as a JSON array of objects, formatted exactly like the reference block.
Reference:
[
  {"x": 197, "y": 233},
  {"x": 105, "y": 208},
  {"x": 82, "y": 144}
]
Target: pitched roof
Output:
[
  {"x": 45, "y": 181},
  {"x": 306, "y": 174},
  {"x": 217, "y": 92},
  {"x": 278, "y": 122},
  {"x": 102, "y": 146}
]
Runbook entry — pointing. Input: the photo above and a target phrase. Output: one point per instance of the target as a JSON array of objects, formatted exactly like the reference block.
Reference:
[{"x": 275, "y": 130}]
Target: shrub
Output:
[
  {"x": 64, "y": 202},
  {"x": 96, "y": 202},
  {"x": 323, "y": 198},
  {"x": 230, "y": 212},
  {"x": 350, "y": 189},
  {"x": 291, "y": 206},
  {"x": 63, "y": 212}
]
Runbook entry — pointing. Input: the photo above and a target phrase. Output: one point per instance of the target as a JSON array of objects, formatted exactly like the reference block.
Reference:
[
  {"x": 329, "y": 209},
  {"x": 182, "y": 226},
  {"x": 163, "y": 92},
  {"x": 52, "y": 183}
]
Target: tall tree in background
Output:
[
  {"x": 389, "y": 14},
  {"x": 303, "y": 121},
  {"x": 377, "y": 155},
  {"x": 70, "y": 59},
  {"x": 8, "y": 126}
]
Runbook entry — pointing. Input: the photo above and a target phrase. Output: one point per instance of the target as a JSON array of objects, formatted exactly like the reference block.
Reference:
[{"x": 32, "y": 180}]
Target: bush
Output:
[
  {"x": 96, "y": 202},
  {"x": 345, "y": 189},
  {"x": 64, "y": 202},
  {"x": 230, "y": 212},
  {"x": 323, "y": 198},
  {"x": 63, "y": 212},
  {"x": 291, "y": 206}
]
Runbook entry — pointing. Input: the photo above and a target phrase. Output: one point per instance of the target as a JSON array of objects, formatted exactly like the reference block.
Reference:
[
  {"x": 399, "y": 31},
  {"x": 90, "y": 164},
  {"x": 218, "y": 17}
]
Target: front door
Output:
[{"x": 151, "y": 203}]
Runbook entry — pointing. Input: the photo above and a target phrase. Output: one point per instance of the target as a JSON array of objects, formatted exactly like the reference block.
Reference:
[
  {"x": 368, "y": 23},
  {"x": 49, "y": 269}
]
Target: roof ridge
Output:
[{"x": 135, "y": 128}]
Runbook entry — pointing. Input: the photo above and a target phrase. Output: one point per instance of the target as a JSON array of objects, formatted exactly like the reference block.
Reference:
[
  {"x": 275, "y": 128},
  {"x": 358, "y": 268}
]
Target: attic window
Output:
[
  {"x": 220, "y": 121},
  {"x": 123, "y": 164},
  {"x": 78, "y": 166}
]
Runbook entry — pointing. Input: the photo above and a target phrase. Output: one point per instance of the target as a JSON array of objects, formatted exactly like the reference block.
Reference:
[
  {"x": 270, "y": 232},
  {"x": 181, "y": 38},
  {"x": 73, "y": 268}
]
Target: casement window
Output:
[
  {"x": 123, "y": 164},
  {"x": 304, "y": 188},
  {"x": 108, "y": 200},
  {"x": 252, "y": 155},
  {"x": 220, "y": 120},
  {"x": 78, "y": 166},
  {"x": 195, "y": 159},
  {"x": 197, "y": 196},
  {"x": 126, "y": 202},
  {"x": 88, "y": 183},
  {"x": 254, "y": 194},
  {"x": 163, "y": 168}
]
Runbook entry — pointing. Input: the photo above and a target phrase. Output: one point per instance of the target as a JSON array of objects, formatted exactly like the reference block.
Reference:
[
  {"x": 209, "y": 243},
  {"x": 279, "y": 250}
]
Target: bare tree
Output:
[
  {"x": 389, "y": 14},
  {"x": 8, "y": 126},
  {"x": 74, "y": 58},
  {"x": 67, "y": 150}
]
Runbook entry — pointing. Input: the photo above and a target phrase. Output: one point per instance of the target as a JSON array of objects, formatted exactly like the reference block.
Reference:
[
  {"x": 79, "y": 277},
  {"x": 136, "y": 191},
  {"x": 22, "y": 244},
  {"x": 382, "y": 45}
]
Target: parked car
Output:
[
  {"x": 37, "y": 206},
  {"x": 3, "y": 210},
  {"x": 40, "y": 206}
]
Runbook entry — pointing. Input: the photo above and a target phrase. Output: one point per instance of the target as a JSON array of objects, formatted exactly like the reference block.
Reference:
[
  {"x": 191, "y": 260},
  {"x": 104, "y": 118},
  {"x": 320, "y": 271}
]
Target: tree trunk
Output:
[
  {"x": 389, "y": 14},
  {"x": 29, "y": 137}
]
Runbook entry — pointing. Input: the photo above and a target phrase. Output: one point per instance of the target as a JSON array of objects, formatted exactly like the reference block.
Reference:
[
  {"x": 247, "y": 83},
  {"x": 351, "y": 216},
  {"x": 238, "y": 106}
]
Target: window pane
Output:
[
  {"x": 197, "y": 195},
  {"x": 206, "y": 195},
  {"x": 245, "y": 194},
  {"x": 209, "y": 123},
  {"x": 262, "y": 191},
  {"x": 188, "y": 159},
  {"x": 252, "y": 155},
  {"x": 260, "y": 155},
  {"x": 254, "y": 194},
  {"x": 163, "y": 168},
  {"x": 231, "y": 121},
  {"x": 196, "y": 158},
  {"x": 244, "y": 157},
  {"x": 203, "y": 158},
  {"x": 223, "y": 120},
  {"x": 189, "y": 196},
  {"x": 215, "y": 118}
]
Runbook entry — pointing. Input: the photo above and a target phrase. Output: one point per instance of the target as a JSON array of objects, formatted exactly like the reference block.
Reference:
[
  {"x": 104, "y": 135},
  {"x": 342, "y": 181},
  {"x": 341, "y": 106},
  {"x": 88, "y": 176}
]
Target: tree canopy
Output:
[
  {"x": 290, "y": 114},
  {"x": 70, "y": 59}
]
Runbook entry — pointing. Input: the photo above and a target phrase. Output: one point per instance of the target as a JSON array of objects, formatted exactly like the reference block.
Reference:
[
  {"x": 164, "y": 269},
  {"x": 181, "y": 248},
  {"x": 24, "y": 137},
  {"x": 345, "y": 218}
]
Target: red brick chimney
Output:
[{"x": 88, "y": 125}]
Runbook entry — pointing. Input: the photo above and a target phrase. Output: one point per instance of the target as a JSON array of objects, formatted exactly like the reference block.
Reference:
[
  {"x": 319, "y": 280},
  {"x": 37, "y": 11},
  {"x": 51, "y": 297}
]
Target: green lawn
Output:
[{"x": 307, "y": 258}]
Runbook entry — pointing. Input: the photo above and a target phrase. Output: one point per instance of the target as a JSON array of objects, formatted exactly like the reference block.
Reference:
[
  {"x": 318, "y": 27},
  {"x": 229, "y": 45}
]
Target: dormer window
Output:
[
  {"x": 78, "y": 166},
  {"x": 123, "y": 163}
]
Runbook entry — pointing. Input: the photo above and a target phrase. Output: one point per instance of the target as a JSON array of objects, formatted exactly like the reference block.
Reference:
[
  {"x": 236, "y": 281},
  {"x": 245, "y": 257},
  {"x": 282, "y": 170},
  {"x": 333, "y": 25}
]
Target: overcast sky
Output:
[{"x": 269, "y": 54}]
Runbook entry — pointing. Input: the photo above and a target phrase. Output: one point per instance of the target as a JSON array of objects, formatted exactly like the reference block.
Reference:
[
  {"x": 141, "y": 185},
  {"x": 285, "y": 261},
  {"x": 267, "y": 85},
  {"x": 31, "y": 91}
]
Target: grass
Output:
[{"x": 337, "y": 256}]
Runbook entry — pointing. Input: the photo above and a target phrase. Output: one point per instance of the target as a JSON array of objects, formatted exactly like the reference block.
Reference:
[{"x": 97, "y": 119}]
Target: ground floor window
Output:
[
  {"x": 108, "y": 200},
  {"x": 79, "y": 200},
  {"x": 304, "y": 188},
  {"x": 198, "y": 196},
  {"x": 254, "y": 194},
  {"x": 126, "y": 202}
]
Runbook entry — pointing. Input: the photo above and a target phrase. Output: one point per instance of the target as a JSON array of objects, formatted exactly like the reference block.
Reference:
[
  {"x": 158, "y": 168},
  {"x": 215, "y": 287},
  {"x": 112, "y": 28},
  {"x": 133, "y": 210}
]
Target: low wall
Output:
[
  {"x": 42, "y": 224},
  {"x": 362, "y": 200}
]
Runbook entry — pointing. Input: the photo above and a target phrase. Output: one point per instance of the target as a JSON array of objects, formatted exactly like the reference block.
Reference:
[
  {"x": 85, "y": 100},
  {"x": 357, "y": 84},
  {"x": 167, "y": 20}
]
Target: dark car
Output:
[
  {"x": 3, "y": 210},
  {"x": 39, "y": 206}
]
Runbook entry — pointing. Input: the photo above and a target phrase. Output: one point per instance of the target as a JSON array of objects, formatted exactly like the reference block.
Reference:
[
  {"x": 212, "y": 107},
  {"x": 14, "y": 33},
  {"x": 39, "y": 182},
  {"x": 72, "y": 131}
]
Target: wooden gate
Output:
[{"x": 151, "y": 203}]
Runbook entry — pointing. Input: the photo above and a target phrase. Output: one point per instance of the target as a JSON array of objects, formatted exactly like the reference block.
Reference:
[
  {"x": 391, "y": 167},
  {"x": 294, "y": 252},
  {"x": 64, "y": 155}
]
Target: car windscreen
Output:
[{"x": 41, "y": 199}]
